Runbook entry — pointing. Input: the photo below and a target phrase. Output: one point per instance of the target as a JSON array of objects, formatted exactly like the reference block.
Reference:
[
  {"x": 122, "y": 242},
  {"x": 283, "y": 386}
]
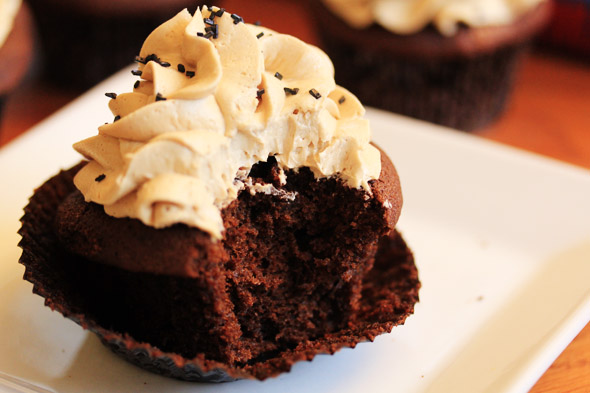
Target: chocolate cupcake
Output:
[
  {"x": 85, "y": 41},
  {"x": 235, "y": 204},
  {"x": 16, "y": 46},
  {"x": 450, "y": 63}
]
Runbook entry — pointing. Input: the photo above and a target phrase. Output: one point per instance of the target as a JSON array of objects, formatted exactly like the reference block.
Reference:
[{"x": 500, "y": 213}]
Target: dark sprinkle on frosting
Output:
[
  {"x": 140, "y": 59},
  {"x": 200, "y": 34},
  {"x": 341, "y": 100},
  {"x": 260, "y": 92},
  {"x": 315, "y": 94},
  {"x": 213, "y": 29},
  {"x": 237, "y": 19},
  {"x": 290, "y": 91},
  {"x": 181, "y": 68},
  {"x": 136, "y": 85},
  {"x": 190, "y": 74},
  {"x": 209, "y": 21},
  {"x": 165, "y": 64},
  {"x": 257, "y": 23},
  {"x": 278, "y": 75},
  {"x": 220, "y": 12},
  {"x": 117, "y": 118},
  {"x": 259, "y": 35},
  {"x": 111, "y": 95},
  {"x": 136, "y": 72},
  {"x": 160, "y": 97},
  {"x": 100, "y": 178}
]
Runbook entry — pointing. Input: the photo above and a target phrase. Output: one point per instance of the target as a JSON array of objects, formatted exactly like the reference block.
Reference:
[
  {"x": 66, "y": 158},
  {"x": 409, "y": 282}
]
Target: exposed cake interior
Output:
[{"x": 289, "y": 268}]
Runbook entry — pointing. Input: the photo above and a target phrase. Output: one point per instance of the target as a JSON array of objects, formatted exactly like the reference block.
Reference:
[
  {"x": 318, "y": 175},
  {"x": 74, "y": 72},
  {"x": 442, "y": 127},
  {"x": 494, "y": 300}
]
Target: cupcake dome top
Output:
[{"x": 215, "y": 97}]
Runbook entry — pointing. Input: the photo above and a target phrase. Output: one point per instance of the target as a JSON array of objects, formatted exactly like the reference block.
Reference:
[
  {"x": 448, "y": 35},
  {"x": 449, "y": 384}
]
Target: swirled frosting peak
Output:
[{"x": 216, "y": 96}]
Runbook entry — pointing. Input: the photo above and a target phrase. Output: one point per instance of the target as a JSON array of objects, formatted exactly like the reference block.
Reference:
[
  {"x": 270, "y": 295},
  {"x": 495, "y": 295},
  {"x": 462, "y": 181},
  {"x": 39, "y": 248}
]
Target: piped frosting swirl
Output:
[{"x": 215, "y": 97}]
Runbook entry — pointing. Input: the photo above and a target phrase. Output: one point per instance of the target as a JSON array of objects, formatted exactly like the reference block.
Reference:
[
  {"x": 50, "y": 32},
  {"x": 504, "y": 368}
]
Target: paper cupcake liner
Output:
[
  {"x": 462, "y": 93},
  {"x": 390, "y": 291}
]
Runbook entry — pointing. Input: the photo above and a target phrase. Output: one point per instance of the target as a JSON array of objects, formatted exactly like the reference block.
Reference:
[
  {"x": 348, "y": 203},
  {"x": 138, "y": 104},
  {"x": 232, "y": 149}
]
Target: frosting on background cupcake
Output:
[
  {"x": 411, "y": 16},
  {"x": 217, "y": 96},
  {"x": 8, "y": 10}
]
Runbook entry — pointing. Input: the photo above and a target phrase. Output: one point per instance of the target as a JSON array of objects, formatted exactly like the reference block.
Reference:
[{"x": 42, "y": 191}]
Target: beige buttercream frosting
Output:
[
  {"x": 8, "y": 11},
  {"x": 411, "y": 16},
  {"x": 181, "y": 146}
]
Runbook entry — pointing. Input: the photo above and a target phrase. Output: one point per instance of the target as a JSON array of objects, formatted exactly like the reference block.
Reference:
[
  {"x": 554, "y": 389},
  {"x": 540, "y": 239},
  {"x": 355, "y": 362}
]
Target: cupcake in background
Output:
[
  {"x": 16, "y": 45},
  {"x": 448, "y": 62},
  {"x": 85, "y": 41}
]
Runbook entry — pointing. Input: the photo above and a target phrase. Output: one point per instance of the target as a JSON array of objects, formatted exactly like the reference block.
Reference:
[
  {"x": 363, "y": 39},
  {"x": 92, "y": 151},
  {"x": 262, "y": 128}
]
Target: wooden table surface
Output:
[{"x": 548, "y": 113}]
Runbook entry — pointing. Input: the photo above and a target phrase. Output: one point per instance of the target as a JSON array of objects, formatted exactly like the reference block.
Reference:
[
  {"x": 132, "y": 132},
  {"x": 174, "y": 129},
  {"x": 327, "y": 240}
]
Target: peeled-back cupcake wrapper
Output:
[{"x": 390, "y": 291}]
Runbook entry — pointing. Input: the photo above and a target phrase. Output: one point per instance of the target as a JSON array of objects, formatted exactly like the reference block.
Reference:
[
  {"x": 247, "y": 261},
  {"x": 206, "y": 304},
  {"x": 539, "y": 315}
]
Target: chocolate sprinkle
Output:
[
  {"x": 315, "y": 94},
  {"x": 214, "y": 29},
  {"x": 136, "y": 72},
  {"x": 165, "y": 64},
  {"x": 181, "y": 68},
  {"x": 278, "y": 75},
  {"x": 220, "y": 12},
  {"x": 237, "y": 19},
  {"x": 291, "y": 91},
  {"x": 259, "y": 35},
  {"x": 200, "y": 34},
  {"x": 341, "y": 100},
  {"x": 111, "y": 95},
  {"x": 140, "y": 59},
  {"x": 190, "y": 74},
  {"x": 209, "y": 21},
  {"x": 208, "y": 35},
  {"x": 136, "y": 85},
  {"x": 160, "y": 97},
  {"x": 260, "y": 92},
  {"x": 100, "y": 178},
  {"x": 117, "y": 118}
]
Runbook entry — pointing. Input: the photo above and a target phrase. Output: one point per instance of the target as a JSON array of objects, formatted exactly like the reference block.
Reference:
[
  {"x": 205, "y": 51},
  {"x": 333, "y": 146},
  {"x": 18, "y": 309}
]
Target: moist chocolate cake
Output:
[
  {"x": 268, "y": 295},
  {"x": 234, "y": 252}
]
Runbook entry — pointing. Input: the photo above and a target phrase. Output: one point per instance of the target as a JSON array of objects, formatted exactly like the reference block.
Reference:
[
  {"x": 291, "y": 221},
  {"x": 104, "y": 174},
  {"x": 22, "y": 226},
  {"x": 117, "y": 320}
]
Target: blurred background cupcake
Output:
[
  {"x": 16, "y": 46},
  {"x": 450, "y": 62},
  {"x": 85, "y": 41}
]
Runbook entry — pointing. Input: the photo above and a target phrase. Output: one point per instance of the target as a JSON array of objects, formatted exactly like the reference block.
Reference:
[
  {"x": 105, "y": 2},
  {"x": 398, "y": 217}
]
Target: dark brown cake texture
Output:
[
  {"x": 462, "y": 81},
  {"x": 292, "y": 278}
]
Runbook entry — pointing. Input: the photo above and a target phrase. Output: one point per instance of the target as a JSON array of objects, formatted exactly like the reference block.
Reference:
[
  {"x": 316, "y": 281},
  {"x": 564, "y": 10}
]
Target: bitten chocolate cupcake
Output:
[
  {"x": 233, "y": 218},
  {"x": 85, "y": 41},
  {"x": 16, "y": 46},
  {"x": 449, "y": 62}
]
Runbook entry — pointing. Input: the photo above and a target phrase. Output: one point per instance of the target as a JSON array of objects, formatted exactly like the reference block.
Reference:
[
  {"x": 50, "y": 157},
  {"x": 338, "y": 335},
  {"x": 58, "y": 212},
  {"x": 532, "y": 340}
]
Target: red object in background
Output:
[{"x": 569, "y": 28}]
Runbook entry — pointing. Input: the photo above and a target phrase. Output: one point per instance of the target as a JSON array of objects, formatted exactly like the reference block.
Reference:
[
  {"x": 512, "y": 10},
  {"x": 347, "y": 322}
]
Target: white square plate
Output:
[{"x": 501, "y": 239}]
